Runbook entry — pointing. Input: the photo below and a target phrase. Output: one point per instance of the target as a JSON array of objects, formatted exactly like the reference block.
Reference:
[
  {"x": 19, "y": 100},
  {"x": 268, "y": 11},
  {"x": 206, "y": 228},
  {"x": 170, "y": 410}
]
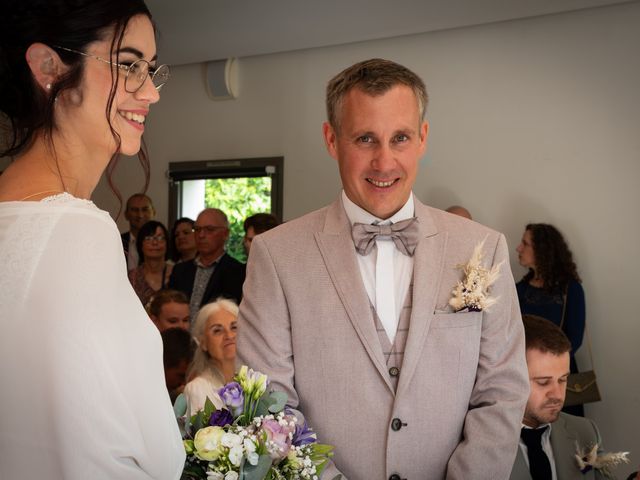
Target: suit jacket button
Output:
[
  {"x": 395, "y": 476},
  {"x": 394, "y": 371},
  {"x": 396, "y": 424}
]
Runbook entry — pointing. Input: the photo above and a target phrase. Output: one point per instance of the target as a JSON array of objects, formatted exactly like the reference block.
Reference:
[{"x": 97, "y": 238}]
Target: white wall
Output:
[{"x": 531, "y": 120}]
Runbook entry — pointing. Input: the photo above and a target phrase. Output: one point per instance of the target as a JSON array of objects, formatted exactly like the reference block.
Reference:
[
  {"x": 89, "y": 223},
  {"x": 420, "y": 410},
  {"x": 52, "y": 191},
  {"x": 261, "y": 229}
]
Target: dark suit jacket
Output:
[
  {"x": 125, "y": 243},
  {"x": 567, "y": 434},
  {"x": 226, "y": 280}
]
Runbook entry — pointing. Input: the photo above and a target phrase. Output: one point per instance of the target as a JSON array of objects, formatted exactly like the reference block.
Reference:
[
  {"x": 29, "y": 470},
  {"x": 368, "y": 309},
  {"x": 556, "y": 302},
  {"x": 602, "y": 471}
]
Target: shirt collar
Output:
[
  {"x": 357, "y": 214},
  {"x": 199, "y": 263},
  {"x": 545, "y": 434}
]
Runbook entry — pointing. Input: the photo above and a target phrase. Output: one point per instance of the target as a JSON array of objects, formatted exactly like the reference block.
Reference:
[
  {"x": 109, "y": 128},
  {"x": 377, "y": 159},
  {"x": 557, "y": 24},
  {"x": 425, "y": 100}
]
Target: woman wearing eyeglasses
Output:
[
  {"x": 83, "y": 391},
  {"x": 154, "y": 270}
]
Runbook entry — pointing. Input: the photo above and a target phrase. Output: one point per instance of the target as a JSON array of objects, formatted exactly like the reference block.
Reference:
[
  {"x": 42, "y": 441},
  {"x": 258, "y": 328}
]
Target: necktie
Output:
[
  {"x": 404, "y": 235},
  {"x": 539, "y": 465}
]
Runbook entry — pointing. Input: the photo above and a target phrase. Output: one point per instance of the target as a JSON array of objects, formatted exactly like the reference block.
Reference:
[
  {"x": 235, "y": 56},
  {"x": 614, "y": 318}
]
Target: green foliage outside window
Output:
[{"x": 239, "y": 198}]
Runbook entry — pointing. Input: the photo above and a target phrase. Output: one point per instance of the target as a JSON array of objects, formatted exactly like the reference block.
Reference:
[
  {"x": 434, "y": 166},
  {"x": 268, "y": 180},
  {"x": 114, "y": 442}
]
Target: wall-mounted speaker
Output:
[{"x": 221, "y": 79}]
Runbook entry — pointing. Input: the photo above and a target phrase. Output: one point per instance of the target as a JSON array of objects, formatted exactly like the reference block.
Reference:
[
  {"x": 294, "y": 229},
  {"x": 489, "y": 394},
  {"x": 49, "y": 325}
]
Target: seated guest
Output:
[
  {"x": 176, "y": 356},
  {"x": 255, "y": 225},
  {"x": 183, "y": 240},
  {"x": 460, "y": 211},
  {"x": 153, "y": 272},
  {"x": 549, "y": 437},
  {"x": 214, "y": 332},
  {"x": 170, "y": 309},
  {"x": 139, "y": 210},
  {"x": 213, "y": 273}
]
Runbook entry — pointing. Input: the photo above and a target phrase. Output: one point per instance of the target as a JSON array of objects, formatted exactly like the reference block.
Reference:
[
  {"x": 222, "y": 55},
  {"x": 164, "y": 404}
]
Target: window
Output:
[{"x": 240, "y": 188}]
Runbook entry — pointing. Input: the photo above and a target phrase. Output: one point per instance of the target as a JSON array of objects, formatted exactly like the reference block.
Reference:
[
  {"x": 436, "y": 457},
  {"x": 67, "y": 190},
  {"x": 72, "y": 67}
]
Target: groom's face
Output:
[{"x": 378, "y": 144}]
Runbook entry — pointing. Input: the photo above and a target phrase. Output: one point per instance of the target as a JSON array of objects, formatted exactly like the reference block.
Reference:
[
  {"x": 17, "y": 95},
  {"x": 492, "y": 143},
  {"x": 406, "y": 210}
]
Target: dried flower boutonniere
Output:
[
  {"x": 472, "y": 292},
  {"x": 589, "y": 459}
]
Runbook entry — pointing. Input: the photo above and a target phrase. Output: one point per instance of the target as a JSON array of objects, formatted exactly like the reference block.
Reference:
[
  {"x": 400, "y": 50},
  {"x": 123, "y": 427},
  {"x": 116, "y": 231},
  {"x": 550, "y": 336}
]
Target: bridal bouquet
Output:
[{"x": 254, "y": 438}]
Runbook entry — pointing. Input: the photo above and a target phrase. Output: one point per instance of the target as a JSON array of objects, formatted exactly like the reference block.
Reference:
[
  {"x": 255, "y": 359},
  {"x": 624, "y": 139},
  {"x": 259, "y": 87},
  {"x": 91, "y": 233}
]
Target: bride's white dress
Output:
[{"x": 82, "y": 386}]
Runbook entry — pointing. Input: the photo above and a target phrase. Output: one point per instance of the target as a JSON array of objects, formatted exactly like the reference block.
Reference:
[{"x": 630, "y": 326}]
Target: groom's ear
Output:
[
  {"x": 44, "y": 63},
  {"x": 330, "y": 139},
  {"x": 424, "y": 134}
]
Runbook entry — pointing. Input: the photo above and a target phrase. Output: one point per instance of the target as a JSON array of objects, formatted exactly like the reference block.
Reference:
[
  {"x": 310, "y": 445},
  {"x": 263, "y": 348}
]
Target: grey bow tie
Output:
[{"x": 404, "y": 234}]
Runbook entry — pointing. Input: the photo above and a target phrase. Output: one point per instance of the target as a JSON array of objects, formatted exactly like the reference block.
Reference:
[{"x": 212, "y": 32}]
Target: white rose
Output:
[{"x": 231, "y": 476}]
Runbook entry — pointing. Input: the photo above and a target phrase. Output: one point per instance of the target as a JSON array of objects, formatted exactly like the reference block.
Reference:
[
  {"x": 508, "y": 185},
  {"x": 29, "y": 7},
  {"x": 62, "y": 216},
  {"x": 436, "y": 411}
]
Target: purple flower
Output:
[
  {"x": 303, "y": 435},
  {"x": 221, "y": 418},
  {"x": 233, "y": 397}
]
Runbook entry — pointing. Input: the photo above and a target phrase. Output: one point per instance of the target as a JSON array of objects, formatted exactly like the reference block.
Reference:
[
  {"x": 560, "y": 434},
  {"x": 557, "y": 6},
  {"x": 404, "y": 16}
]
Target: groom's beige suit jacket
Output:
[{"x": 306, "y": 321}]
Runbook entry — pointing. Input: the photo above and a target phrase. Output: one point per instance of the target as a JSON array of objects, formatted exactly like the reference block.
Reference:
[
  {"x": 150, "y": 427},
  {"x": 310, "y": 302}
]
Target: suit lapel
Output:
[
  {"x": 427, "y": 269},
  {"x": 339, "y": 255},
  {"x": 520, "y": 469},
  {"x": 564, "y": 444},
  {"x": 214, "y": 281}
]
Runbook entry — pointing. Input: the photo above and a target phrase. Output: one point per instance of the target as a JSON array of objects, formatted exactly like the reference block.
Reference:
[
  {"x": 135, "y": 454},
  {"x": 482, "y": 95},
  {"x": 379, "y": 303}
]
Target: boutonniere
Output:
[
  {"x": 472, "y": 292},
  {"x": 589, "y": 459}
]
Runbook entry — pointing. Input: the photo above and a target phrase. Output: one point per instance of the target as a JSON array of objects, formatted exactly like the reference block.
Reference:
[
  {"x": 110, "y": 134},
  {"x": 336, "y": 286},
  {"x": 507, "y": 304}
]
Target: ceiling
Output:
[{"x": 194, "y": 31}]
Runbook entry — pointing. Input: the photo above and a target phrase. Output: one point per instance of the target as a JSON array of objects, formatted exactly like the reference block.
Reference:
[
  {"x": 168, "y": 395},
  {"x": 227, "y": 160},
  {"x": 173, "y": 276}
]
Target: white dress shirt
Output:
[
  {"x": 132, "y": 255},
  {"x": 401, "y": 269},
  {"x": 546, "y": 447}
]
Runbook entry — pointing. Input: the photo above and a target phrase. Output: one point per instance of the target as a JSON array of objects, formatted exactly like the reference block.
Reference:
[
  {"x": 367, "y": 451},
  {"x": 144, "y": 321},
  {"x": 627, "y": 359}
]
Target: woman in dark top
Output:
[{"x": 551, "y": 281}]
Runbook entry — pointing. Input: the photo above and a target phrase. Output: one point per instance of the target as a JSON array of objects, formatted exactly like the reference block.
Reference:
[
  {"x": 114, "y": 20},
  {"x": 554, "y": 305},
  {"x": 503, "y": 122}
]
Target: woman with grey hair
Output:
[{"x": 214, "y": 332}]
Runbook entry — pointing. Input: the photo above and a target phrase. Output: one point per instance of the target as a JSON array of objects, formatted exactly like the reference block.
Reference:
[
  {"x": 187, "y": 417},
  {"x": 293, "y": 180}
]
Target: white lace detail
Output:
[
  {"x": 65, "y": 197},
  {"x": 24, "y": 232}
]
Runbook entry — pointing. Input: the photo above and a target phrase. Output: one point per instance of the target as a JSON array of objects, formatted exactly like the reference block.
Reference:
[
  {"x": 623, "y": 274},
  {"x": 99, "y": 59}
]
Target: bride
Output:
[{"x": 83, "y": 392}]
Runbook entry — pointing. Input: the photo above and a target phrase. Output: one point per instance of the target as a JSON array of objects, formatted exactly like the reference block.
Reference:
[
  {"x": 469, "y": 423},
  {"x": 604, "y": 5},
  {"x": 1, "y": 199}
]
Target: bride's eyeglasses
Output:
[{"x": 136, "y": 73}]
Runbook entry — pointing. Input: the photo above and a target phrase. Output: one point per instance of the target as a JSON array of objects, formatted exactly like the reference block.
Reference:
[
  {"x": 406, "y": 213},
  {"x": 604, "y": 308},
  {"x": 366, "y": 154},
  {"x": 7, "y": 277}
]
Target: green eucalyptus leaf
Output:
[
  {"x": 255, "y": 472},
  {"x": 180, "y": 406},
  {"x": 279, "y": 401},
  {"x": 197, "y": 422},
  {"x": 263, "y": 406}
]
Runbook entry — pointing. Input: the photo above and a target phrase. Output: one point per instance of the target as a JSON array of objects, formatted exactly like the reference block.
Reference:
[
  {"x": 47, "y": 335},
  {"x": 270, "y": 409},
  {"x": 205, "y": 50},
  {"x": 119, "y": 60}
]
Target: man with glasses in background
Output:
[
  {"x": 213, "y": 273},
  {"x": 139, "y": 211}
]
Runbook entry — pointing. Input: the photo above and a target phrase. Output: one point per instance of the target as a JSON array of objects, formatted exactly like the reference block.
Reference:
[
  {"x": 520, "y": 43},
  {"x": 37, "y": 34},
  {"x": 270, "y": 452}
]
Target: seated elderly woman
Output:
[{"x": 214, "y": 332}]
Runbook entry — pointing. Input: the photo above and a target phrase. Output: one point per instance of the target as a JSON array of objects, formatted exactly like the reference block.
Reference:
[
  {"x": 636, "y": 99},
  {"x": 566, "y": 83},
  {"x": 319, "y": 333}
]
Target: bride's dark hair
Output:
[{"x": 26, "y": 108}]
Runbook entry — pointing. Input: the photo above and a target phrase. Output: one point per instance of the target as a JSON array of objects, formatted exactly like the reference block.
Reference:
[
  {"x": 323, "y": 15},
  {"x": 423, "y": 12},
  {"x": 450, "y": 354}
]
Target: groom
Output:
[{"x": 353, "y": 320}]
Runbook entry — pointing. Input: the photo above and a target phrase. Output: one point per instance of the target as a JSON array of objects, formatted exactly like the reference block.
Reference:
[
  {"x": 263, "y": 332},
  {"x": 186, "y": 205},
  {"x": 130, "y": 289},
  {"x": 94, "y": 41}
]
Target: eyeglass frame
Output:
[
  {"x": 157, "y": 238},
  {"x": 151, "y": 72}
]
